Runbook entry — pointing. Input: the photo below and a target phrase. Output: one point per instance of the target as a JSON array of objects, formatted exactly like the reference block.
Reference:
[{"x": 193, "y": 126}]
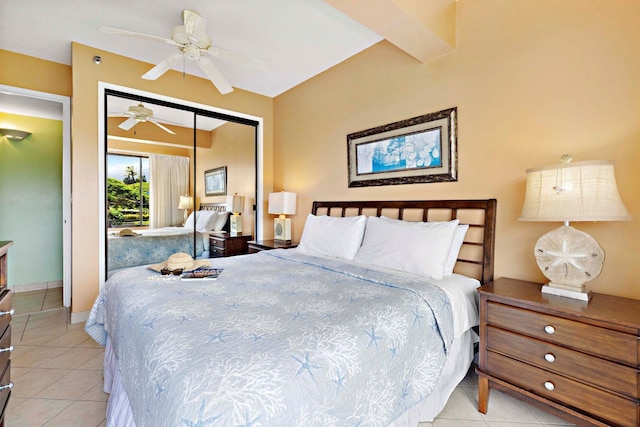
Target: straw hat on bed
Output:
[{"x": 180, "y": 260}]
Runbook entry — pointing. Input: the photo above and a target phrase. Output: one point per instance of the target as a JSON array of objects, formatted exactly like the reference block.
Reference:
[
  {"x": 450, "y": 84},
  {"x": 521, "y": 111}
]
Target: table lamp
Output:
[
  {"x": 282, "y": 204},
  {"x": 235, "y": 205},
  {"x": 580, "y": 191},
  {"x": 186, "y": 204}
]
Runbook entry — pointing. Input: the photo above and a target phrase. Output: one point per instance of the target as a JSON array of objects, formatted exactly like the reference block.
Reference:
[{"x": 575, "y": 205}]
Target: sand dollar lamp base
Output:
[{"x": 568, "y": 258}]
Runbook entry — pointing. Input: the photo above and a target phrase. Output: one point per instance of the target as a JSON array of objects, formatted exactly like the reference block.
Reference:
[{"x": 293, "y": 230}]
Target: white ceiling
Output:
[{"x": 297, "y": 38}]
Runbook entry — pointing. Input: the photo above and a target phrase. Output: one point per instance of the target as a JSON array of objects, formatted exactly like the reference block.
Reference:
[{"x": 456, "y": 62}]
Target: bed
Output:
[
  {"x": 155, "y": 245},
  {"x": 300, "y": 337}
]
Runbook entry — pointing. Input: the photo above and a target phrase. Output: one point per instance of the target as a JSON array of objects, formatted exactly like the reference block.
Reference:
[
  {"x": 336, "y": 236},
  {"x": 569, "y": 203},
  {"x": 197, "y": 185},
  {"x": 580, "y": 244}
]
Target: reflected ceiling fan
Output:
[
  {"x": 137, "y": 114},
  {"x": 192, "y": 42}
]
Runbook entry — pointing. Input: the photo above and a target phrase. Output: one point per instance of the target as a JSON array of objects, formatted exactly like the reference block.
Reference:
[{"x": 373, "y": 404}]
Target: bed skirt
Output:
[{"x": 119, "y": 412}]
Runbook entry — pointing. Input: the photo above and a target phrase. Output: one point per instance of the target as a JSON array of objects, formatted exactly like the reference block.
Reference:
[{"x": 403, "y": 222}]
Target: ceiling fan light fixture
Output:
[{"x": 192, "y": 41}]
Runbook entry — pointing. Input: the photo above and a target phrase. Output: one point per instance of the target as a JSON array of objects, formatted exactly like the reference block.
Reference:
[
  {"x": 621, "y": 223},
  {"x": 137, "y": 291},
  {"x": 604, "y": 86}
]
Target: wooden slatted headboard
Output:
[
  {"x": 477, "y": 253},
  {"x": 218, "y": 207}
]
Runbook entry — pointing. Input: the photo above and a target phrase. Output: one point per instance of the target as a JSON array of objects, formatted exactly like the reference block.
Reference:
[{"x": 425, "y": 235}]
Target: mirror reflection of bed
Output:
[{"x": 156, "y": 159}]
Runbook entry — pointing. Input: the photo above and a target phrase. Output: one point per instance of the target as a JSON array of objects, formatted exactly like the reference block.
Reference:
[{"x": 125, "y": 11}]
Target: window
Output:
[{"x": 127, "y": 190}]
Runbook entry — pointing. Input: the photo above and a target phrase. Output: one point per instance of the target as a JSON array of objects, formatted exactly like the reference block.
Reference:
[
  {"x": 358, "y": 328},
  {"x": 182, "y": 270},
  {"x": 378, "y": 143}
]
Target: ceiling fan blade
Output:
[
  {"x": 128, "y": 124},
  {"x": 118, "y": 115},
  {"x": 195, "y": 26},
  {"x": 162, "y": 67},
  {"x": 134, "y": 34},
  {"x": 164, "y": 128},
  {"x": 230, "y": 55},
  {"x": 215, "y": 76}
]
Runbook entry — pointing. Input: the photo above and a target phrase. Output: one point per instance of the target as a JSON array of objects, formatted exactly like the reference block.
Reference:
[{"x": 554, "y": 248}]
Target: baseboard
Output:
[
  {"x": 79, "y": 317},
  {"x": 36, "y": 286}
]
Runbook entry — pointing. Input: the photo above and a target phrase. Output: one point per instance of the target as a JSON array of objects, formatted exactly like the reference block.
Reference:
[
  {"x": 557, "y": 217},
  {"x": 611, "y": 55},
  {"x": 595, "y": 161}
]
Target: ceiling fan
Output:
[
  {"x": 137, "y": 114},
  {"x": 192, "y": 42}
]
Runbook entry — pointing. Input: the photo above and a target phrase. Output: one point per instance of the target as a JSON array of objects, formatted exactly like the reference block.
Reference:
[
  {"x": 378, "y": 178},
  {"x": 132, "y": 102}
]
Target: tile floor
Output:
[{"x": 57, "y": 371}]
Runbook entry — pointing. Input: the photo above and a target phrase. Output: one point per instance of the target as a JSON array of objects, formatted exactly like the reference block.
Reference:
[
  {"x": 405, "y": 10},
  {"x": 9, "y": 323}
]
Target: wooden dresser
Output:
[
  {"x": 224, "y": 244},
  {"x": 5, "y": 332},
  {"x": 578, "y": 360}
]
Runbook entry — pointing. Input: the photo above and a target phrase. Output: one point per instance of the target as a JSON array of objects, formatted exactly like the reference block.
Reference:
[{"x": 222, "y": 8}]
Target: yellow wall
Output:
[
  {"x": 126, "y": 72},
  {"x": 532, "y": 80}
]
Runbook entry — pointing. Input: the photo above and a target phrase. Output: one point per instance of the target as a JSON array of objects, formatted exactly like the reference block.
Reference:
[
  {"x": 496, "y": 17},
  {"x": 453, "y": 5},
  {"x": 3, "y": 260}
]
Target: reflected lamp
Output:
[
  {"x": 282, "y": 204},
  {"x": 186, "y": 204},
  {"x": 235, "y": 205},
  {"x": 580, "y": 191}
]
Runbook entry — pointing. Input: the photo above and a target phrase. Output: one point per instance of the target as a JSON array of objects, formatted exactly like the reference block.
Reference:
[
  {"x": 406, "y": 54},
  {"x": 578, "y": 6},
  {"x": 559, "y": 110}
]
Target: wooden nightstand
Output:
[
  {"x": 579, "y": 361},
  {"x": 223, "y": 244},
  {"x": 265, "y": 245}
]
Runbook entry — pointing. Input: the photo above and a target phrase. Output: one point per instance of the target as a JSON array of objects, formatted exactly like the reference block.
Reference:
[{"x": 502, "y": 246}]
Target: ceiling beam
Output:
[{"x": 423, "y": 29}]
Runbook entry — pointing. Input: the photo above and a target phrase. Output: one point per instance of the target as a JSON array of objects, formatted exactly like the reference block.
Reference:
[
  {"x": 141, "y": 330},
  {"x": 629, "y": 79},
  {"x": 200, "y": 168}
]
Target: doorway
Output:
[{"x": 31, "y": 103}]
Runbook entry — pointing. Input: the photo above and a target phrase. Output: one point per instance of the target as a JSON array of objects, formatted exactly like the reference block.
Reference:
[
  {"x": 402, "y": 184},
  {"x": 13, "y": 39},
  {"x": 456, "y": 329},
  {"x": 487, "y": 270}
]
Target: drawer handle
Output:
[
  {"x": 10, "y": 312},
  {"x": 549, "y": 357},
  {"x": 549, "y": 329},
  {"x": 9, "y": 386},
  {"x": 549, "y": 385},
  {"x": 9, "y": 349}
]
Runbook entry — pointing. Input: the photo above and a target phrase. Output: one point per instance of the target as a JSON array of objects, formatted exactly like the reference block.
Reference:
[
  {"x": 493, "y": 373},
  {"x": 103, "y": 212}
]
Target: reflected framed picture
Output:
[
  {"x": 417, "y": 150},
  {"x": 215, "y": 182}
]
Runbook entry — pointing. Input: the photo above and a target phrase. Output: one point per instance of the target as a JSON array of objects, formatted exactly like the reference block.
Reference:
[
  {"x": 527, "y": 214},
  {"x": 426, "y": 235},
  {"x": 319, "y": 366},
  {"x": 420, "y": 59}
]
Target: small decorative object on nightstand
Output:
[
  {"x": 581, "y": 191},
  {"x": 265, "y": 245},
  {"x": 579, "y": 361},
  {"x": 282, "y": 204},
  {"x": 224, "y": 244}
]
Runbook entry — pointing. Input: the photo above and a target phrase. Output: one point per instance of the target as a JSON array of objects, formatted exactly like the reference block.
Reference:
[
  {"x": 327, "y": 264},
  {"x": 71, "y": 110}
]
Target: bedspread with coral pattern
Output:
[
  {"x": 279, "y": 339},
  {"x": 153, "y": 246}
]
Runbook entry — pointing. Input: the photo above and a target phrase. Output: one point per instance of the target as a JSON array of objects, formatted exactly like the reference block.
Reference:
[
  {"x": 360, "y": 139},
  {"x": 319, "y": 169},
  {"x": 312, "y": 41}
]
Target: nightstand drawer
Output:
[
  {"x": 614, "y": 409},
  {"x": 612, "y": 345},
  {"x": 574, "y": 364}
]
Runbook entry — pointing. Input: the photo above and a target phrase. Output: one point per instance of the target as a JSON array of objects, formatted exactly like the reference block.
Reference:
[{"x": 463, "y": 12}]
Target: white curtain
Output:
[{"x": 169, "y": 181}]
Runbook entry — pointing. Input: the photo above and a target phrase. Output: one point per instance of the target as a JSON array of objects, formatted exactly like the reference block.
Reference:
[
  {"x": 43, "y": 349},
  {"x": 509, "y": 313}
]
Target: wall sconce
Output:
[
  {"x": 14, "y": 134},
  {"x": 581, "y": 191},
  {"x": 282, "y": 203},
  {"x": 186, "y": 203},
  {"x": 235, "y": 205}
]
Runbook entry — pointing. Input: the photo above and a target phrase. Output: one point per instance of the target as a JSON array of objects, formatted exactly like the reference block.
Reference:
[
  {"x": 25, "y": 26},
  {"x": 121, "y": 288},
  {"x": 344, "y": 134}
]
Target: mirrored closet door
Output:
[{"x": 164, "y": 162}]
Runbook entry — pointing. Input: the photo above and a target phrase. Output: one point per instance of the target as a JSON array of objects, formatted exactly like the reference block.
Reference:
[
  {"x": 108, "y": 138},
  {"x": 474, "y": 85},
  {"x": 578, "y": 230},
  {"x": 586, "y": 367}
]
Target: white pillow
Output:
[
  {"x": 456, "y": 244},
  {"x": 191, "y": 220},
  {"x": 221, "y": 221},
  {"x": 338, "y": 237},
  {"x": 206, "y": 221},
  {"x": 415, "y": 247}
]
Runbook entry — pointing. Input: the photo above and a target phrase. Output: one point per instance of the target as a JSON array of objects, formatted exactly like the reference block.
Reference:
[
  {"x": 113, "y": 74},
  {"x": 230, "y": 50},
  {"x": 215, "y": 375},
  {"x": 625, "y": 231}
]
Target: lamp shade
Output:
[
  {"x": 235, "y": 203},
  {"x": 282, "y": 203},
  {"x": 186, "y": 202},
  {"x": 580, "y": 191}
]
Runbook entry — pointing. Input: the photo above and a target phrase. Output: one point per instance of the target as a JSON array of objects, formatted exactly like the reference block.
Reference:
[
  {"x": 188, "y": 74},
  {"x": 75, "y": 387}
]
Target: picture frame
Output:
[
  {"x": 422, "y": 149},
  {"x": 215, "y": 181}
]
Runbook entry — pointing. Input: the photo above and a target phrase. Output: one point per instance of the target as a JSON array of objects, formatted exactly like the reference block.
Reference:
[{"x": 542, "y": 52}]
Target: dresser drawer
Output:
[
  {"x": 571, "y": 363},
  {"x": 612, "y": 345},
  {"x": 5, "y": 348},
  {"x": 611, "y": 408},
  {"x": 5, "y": 307},
  {"x": 5, "y": 391}
]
